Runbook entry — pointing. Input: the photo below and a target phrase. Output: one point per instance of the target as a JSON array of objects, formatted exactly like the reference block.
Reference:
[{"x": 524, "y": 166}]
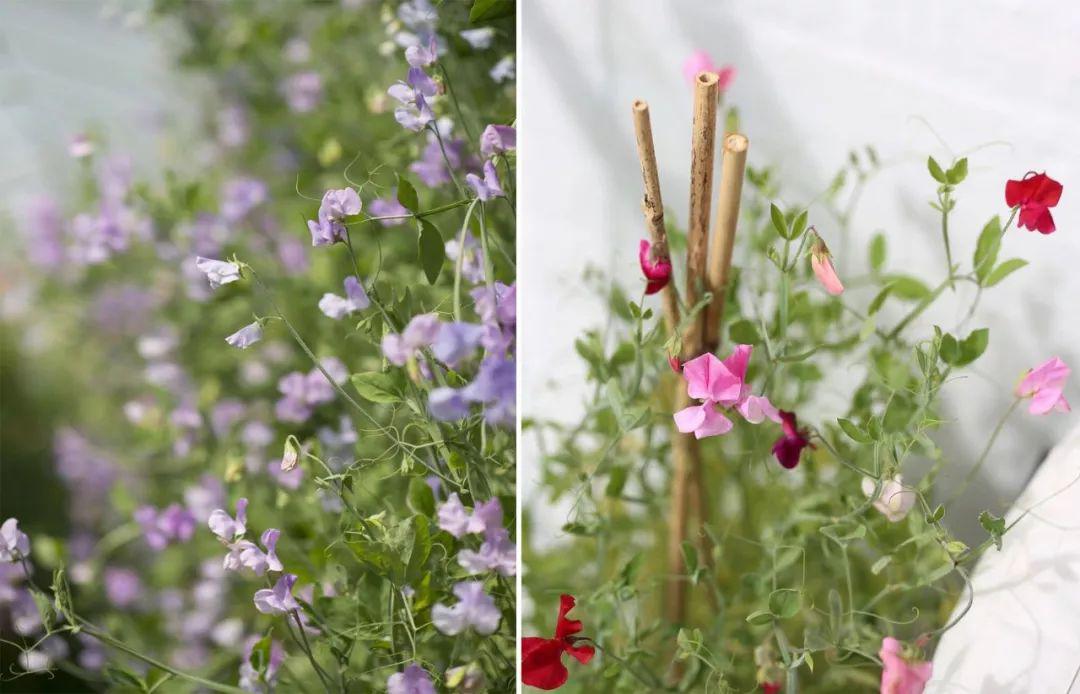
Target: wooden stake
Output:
[
  {"x": 703, "y": 148},
  {"x": 732, "y": 168},
  {"x": 653, "y": 206}
]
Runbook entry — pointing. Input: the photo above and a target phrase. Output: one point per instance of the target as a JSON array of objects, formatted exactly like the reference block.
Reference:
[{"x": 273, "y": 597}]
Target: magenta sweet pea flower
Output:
[
  {"x": 900, "y": 675},
  {"x": 1043, "y": 385},
  {"x": 722, "y": 383},
  {"x": 279, "y": 599},
  {"x": 700, "y": 61},
  {"x": 788, "y": 448},
  {"x": 657, "y": 271}
]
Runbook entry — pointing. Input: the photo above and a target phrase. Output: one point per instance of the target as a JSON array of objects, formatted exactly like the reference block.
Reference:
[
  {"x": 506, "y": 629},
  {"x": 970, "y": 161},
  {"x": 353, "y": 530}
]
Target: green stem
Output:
[
  {"x": 974, "y": 471},
  {"x": 919, "y": 308}
]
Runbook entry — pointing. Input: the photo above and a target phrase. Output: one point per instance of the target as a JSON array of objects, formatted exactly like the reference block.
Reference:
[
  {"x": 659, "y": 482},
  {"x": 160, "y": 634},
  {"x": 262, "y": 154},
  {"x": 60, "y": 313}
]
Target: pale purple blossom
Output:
[
  {"x": 420, "y": 56},
  {"x": 447, "y": 404},
  {"x": 336, "y": 205},
  {"x": 239, "y": 196},
  {"x": 279, "y": 599},
  {"x": 161, "y": 528},
  {"x": 355, "y": 299},
  {"x": 226, "y": 527},
  {"x": 246, "y": 336},
  {"x": 293, "y": 255},
  {"x": 472, "y": 265},
  {"x": 497, "y": 553},
  {"x": 80, "y": 146},
  {"x": 261, "y": 678},
  {"x": 303, "y": 91},
  {"x": 45, "y": 232},
  {"x": 495, "y": 386},
  {"x": 225, "y": 414},
  {"x": 480, "y": 39},
  {"x": 202, "y": 498},
  {"x": 503, "y": 70},
  {"x": 414, "y": 112},
  {"x": 286, "y": 479},
  {"x": 412, "y": 680},
  {"x": 431, "y": 167},
  {"x": 488, "y": 187},
  {"x": 248, "y": 555},
  {"x": 218, "y": 272},
  {"x": 456, "y": 342},
  {"x": 454, "y": 519},
  {"x": 123, "y": 587},
  {"x": 474, "y": 608},
  {"x": 497, "y": 139},
  {"x": 303, "y": 392},
  {"x": 388, "y": 207},
  {"x": 232, "y": 126},
  {"x": 14, "y": 544}
]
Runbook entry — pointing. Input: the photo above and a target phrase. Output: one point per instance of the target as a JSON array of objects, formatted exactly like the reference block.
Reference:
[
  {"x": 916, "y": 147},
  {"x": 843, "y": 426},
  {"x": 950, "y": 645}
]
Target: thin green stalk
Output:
[
  {"x": 919, "y": 308},
  {"x": 974, "y": 471}
]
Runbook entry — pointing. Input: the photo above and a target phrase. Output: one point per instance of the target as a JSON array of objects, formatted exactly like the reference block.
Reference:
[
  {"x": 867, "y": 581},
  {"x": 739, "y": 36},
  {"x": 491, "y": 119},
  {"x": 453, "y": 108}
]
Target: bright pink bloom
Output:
[
  {"x": 1043, "y": 385},
  {"x": 723, "y": 383},
  {"x": 899, "y": 675},
  {"x": 788, "y": 448},
  {"x": 821, "y": 263},
  {"x": 541, "y": 659},
  {"x": 657, "y": 271},
  {"x": 701, "y": 61},
  {"x": 1035, "y": 194}
]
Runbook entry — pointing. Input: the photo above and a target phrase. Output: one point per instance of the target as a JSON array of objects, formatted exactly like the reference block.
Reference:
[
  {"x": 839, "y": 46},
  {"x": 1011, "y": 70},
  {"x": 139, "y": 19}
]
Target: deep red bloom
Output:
[
  {"x": 1035, "y": 194},
  {"x": 541, "y": 659},
  {"x": 657, "y": 272},
  {"x": 771, "y": 687},
  {"x": 675, "y": 364},
  {"x": 788, "y": 448}
]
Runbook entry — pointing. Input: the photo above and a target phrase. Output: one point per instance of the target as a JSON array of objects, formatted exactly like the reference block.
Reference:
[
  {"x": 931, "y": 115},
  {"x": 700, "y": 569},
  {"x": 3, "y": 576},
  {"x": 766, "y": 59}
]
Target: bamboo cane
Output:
[
  {"x": 703, "y": 148},
  {"x": 652, "y": 204},
  {"x": 732, "y": 168}
]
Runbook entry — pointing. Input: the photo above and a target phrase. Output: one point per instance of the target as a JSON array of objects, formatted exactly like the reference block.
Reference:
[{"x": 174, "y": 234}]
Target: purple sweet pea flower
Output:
[
  {"x": 232, "y": 126},
  {"x": 303, "y": 392},
  {"x": 287, "y": 479},
  {"x": 336, "y": 205},
  {"x": 495, "y": 386},
  {"x": 246, "y": 336},
  {"x": 480, "y": 39},
  {"x": 355, "y": 299},
  {"x": 412, "y": 680},
  {"x": 225, "y": 526},
  {"x": 448, "y": 404},
  {"x": 293, "y": 256},
  {"x": 419, "y": 56},
  {"x": 218, "y": 272},
  {"x": 474, "y": 609},
  {"x": 245, "y": 554},
  {"x": 14, "y": 544},
  {"x": 503, "y": 70},
  {"x": 204, "y": 497},
  {"x": 389, "y": 207},
  {"x": 497, "y": 139},
  {"x": 252, "y": 680},
  {"x": 472, "y": 265},
  {"x": 45, "y": 233},
  {"x": 497, "y": 304},
  {"x": 225, "y": 414},
  {"x": 240, "y": 196},
  {"x": 122, "y": 586},
  {"x": 303, "y": 91},
  {"x": 454, "y": 519},
  {"x": 497, "y": 553},
  {"x": 174, "y": 524},
  {"x": 432, "y": 169},
  {"x": 488, "y": 187},
  {"x": 419, "y": 333},
  {"x": 456, "y": 342},
  {"x": 279, "y": 599}
]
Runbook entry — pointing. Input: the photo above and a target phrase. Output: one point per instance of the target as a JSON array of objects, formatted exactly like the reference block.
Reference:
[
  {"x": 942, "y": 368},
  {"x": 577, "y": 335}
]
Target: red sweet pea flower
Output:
[
  {"x": 1035, "y": 194},
  {"x": 788, "y": 448},
  {"x": 771, "y": 687},
  {"x": 657, "y": 271},
  {"x": 541, "y": 659}
]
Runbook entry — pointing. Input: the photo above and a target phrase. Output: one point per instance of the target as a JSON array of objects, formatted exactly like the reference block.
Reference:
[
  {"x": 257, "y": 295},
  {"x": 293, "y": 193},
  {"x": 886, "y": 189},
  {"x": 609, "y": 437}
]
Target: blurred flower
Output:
[
  {"x": 44, "y": 233},
  {"x": 472, "y": 265},
  {"x": 894, "y": 500},
  {"x": 898, "y": 674},
  {"x": 657, "y": 271},
  {"x": 174, "y": 524},
  {"x": 480, "y": 39},
  {"x": 246, "y": 336},
  {"x": 495, "y": 386},
  {"x": 447, "y": 404},
  {"x": 418, "y": 334},
  {"x": 239, "y": 196},
  {"x": 474, "y": 608},
  {"x": 541, "y": 659},
  {"x": 14, "y": 544},
  {"x": 388, "y": 207},
  {"x": 232, "y": 126},
  {"x": 420, "y": 56},
  {"x": 497, "y": 139},
  {"x": 303, "y": 392},
  {"x": 81, "y": 146},
  {"x": 336, "y": 205},
  {"x": 297, "y": 50},
  {"x": 1044, "y": 385},
  {"x": 788, "y": 448},
  {"x": 286, "y": 479},
  {"x": 264, "y": 679},
  {"x": 303, "y": 91},
  {"x": 821, "y": 263},
  {"x": 204, "y": 497},
  {"x": 456, "y": 341},
  {"x": 355, "y": 299},
  {"x": 433, "y": 169},
  {"x": 279, "y": 599},
  {"x": 414, "y": 113},
  {"x": 293, "y": 255},
  {"x": 488, "y": 187},
  {"x": 503, "y": 70},
  {"x": 218, "y": 272},
  {"x": 412, "y": 680},
  {"x": 122, "y": 586},
  {"x": 1034, "y": 194},
  {"x": 700, "y": 61},
  {"x": 225, "y": 526},
  {"x": 453, "y": 518}
]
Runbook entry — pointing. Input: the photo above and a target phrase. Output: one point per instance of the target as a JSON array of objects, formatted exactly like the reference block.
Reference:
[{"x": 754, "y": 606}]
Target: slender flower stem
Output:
[
  {"x": 945, "y": 234},
  {"x": 974, "y": 471},
  {"x": 919, "y": 308},
  {"x": 446, "y": 159}
]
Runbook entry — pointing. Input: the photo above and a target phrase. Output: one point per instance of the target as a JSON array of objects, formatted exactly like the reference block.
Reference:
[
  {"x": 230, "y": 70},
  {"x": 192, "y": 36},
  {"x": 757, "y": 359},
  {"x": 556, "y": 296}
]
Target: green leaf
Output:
[
  {"x": 375, "y": 386},
  {"x": 993, "y": 525},
  {"x": 421, "y": 549},
  {"x": 421, "y": 499},
  {"x": 876, "y": 303},
  {"x": 938, "y": 514},
  {"x": 1004, "y": 270},
  {"x": 974, "y": 345},
  {"x": 616, "y": 481},
  {"x": 880, "y": 564},
  {"x": 949, "y": 349},
  {"x": 785, "y": 603},
  {"x": 758, "y": 617},
  {"x": 936, "y": 171},
  {"x": 406, "y": 195},
  {"x": 744, "y": 332},
  {"x": 799, "y": 225},
  {"x": 490, "y": 10},
  {"x": 431, "y": 250},
  {"x": 958, "y": 172},
  {"x": 778, "y": 221},
  {"x": 853, "y": 431},
  {"x": 878, "y": 249},
  {"x": 898, "y": 414},
  {"x": 909, "y": 288},
  {"x": 987, "y": 247}
]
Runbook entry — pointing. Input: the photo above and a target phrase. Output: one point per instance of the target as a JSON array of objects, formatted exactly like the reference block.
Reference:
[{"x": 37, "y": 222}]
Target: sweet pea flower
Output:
[
  {"x": 788, "y": 448},
  {"x": 657, "y": 271},
  {"x": 894, "y": 500},
  {"x": 174, "y": 524},
  {"x": 248, "y": 554},
  {"x": 821, "y": 263},
  {"x": 700, "y": 61},
  {"x": 504, "y": 70},
  {"x": 251, "y": 680},
  {"x": 279, "y": 599},
  {"x": 720, "y": 382},
  {"x": 541, "y": 659},
  {"x": 488, "y": 187},
  {"x": 336, "y": 205},
  {"x": 475, "y": 609},
  {"x": 420, "y": 332},
  {"x": 218, "y": 272},
  {"x": 14, "y": 544},
  {"x": 246, "y": 336},
  {"x": 900, "y": 675},
  {"x": 497, "y": 553},
  {"x": 479, "y": 39},
  {"x": 1044, "y": 385},
  {"x": 122, "y": 586},
  {"x": 1034, "y": 194},
  {"x": 497, "y": 139},
  {"x": 355, "y": 299},
  {"x": 419, "y": 56},
  {"x": 303, "y": 91},
  {"x": 454, "y": 519},
  {"x": 389, "y": 207},
  {"x": 412, "y": 680},
  {"x": 225, "y": 526},
  {"x": 414, "y": 113},
  {"x": 80, "y": 146},
  {"x": 240, "y": 196},
  {"x": 448, "y": 404},
  {"x": 456, "y": 341},
  {"x": 472, "y": 265}
]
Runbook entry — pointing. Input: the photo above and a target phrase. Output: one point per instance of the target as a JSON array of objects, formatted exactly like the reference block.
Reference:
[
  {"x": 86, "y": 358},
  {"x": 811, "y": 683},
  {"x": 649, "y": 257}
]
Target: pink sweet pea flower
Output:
[
  {"x": 657, "y": 271},
  {"x": 894, "y": 500},
  {"x": 899, "y": 675},
  {"x": 701, "y": 61},
  {"x": 1043, "y": 385},
  {"x": 723, "y": 383},
  {"x": 821, "y": 263}
]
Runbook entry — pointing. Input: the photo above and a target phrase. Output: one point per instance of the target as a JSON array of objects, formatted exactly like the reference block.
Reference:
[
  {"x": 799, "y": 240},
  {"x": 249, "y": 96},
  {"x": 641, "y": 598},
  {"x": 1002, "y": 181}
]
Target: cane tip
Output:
[{"x": 736, "y": 142}]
